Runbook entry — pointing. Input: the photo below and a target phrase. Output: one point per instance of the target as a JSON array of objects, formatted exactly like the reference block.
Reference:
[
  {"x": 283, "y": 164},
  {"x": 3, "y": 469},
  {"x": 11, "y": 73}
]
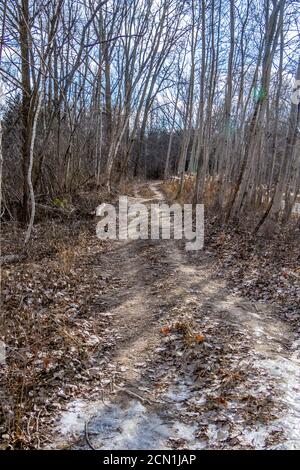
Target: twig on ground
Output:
[{"x": 86, "y": 431}]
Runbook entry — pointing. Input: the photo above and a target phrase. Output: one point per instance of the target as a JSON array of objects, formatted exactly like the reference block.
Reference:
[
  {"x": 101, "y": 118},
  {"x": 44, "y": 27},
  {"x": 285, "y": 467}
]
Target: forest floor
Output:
[{"x": 152, "y": 347}]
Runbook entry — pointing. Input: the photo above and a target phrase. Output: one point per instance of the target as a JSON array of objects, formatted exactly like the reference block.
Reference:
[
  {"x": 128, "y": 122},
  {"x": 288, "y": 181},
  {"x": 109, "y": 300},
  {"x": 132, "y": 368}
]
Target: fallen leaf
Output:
[
  {"x": 199, "y": 338},
  {"x": 165, "y": 330}
]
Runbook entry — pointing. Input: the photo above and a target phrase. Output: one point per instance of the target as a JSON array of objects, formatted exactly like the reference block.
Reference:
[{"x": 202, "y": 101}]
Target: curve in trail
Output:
[{"x": 239, "y": 388}]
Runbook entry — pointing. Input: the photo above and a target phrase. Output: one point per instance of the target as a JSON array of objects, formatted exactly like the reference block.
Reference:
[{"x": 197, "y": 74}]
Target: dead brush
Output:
[
  {"x": 66, "y": 258},
  {"x": 212, "y": 187},
  {"x": 188, "y": 189},
  {"x": 145, "y": 191},
  {"x": 16, "y": 408},
  {"x": 191, "y": 338},
  {"x": 126, "y": 187},
  {"x": 221, "y": 238},
  {"x": 170, "y": 188},
  {"x": 186, "y": 329}
]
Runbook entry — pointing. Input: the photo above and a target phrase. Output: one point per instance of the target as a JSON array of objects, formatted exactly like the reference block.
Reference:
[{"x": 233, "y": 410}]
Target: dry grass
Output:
[
  {"x": 171, "y": 189},
  {"x": 145, "y": 191},
  {"x": 66, "y": 256}
]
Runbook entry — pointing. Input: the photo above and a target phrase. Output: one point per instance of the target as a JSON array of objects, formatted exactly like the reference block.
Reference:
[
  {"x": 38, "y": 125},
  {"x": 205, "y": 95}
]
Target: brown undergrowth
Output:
[
  {"x": 49, "y": 324},
  {"x": 264, "y": 267}
]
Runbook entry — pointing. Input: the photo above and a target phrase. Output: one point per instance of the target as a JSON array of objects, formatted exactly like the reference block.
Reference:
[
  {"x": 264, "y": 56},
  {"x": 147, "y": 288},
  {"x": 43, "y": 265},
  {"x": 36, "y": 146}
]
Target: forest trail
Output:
[{"x": 194, "y": 366}]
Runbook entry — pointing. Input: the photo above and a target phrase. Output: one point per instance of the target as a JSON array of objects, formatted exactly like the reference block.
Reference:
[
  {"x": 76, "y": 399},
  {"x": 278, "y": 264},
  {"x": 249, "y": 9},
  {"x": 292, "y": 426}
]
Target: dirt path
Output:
[{"x": 194, "y": 366}]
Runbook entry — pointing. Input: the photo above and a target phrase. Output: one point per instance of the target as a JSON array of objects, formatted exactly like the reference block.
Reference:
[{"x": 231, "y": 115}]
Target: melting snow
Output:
[{"x": 117, "y": 427}]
